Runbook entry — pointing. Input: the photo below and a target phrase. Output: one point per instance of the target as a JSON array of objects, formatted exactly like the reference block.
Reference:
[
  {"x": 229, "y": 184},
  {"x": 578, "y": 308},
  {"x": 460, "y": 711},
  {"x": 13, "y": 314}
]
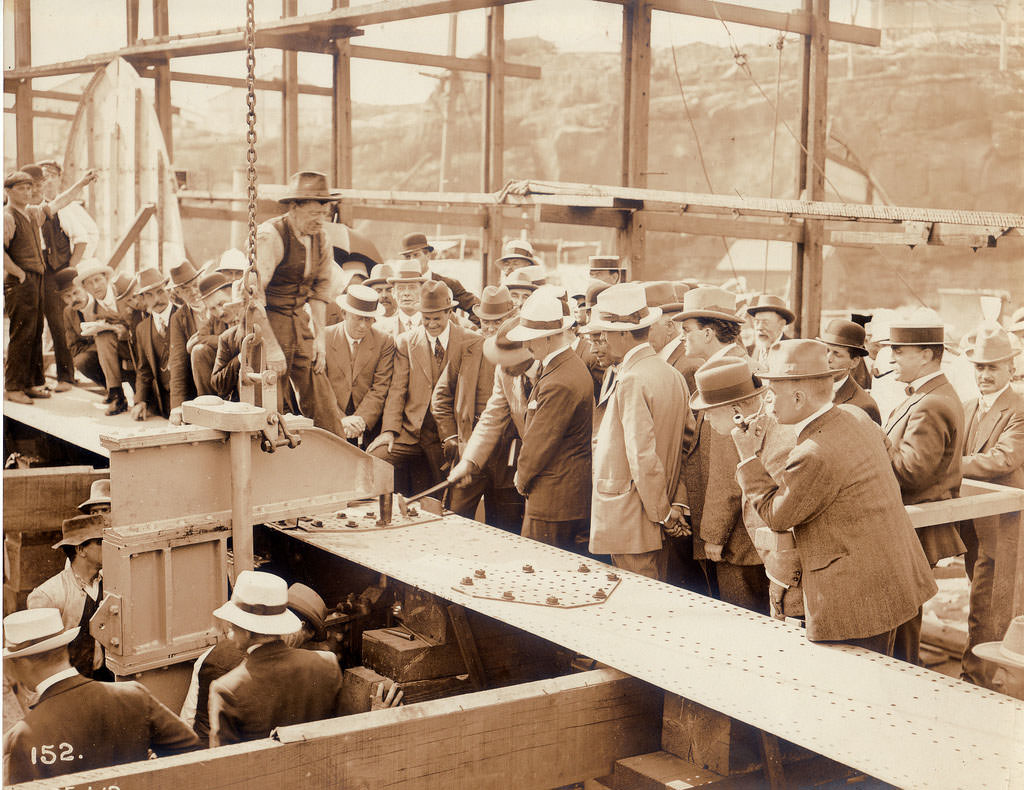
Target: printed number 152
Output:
[{"x": 48, "y": 755}]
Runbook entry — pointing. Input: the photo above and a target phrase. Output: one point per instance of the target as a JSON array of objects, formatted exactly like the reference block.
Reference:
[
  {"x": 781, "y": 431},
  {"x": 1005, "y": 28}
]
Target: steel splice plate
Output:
[
  {"x": 356, "y": 517},
  {"x": 585, "y": 585}
]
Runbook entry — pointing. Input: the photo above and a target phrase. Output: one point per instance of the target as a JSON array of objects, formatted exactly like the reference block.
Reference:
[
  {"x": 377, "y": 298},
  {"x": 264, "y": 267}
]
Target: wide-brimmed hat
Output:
[
  {"x": 381, "y": 273},
  {"x": 517, "y": 248},
  {"x": 540, "y": 316},
  {"x": 361, "y": 300},
  {"x": 45, "y": 163},
  {"x": 17, "y": 177},
  {"x": 408, "y": 272},
  {"x": 415, "y": 242},
  {"x": 309, "y": 606},
  {"x": 723, "y": 381},
  {"x": 500, "y": 350},
  {"x": 78, "y": 529},
  {"x": 529, "y": 278},
  {"x": 232, "y": 260},
  {"x": 99, "y": 494},
  {"x": 709, "y": 302},
  {"x": 33, "y": 631},
  {"x": 259, "y": 603},
  {"x": 124, "y": 285},
  {"x": 212, "y": 283},
  {"x": 91, "y": 266},
  {"x": 1016, "y": 321},
  {"x": 846, "y": 334},
  {"x": 65, "y": 279},
  {"x": 663, "y": 294},
  {"x": 150, "y": 278},
  {"x": 764, "y": 302},
  {"x": 435, "y": 296},
  {"x": 987, "y": 345},
  {"x": 915, "y": 335},
  {"x": 1009, "y": 652},
  {"x": 34, "y": 171},
  {"x": 605, "y": 263},
  {"x": 183, "y": 274},
  {"x": 308, "y": 185},
  {"x": 797, "y": 359},
  {"x": 594, "y": 289},
  {"x": 495, "y": 303},
  {"x": 623, "y": 308}
]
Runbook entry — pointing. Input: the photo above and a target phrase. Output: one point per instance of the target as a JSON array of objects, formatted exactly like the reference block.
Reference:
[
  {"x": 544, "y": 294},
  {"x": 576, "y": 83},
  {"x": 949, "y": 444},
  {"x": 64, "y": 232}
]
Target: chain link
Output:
[{"x": 250, "y": 120}]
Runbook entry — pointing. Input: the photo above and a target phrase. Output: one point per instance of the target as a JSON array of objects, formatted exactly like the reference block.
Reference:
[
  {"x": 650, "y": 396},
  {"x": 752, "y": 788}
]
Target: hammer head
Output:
[{"x": 403, "y": 506}]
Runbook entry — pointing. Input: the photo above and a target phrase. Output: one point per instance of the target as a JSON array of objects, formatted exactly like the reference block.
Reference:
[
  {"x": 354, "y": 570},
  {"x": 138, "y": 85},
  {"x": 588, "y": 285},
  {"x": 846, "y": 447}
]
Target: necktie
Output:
[
  {"x": 606, "y": 385},
  {"x": 438, "y": 351},
  {"x": 527, "y": 383}
]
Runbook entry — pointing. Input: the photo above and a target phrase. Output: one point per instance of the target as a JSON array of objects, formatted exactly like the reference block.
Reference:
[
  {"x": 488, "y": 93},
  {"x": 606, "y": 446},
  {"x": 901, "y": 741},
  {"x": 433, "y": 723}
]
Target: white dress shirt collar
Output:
[
  {"x": 670, "y": 347},
  {"x": 443, "y": 337},
  {"x": 553, "y": 354},
  {"x": 838, "y": 385},
  {"x": 798, "y": 427},
  {"x": 55, "y": 678},
  {"x": 162, "y": 319},
  {"x": 986, "y": 402},
  {"x": 920, "y": 382}
]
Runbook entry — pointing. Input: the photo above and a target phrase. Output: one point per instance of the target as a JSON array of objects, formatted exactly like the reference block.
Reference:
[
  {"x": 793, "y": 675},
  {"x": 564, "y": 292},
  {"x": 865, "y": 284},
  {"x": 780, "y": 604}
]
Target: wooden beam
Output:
[
  {"x": 239, "y": 82},
  {"x": 341, "y": 118},
  {"x": 636, "y": 107},
  {"x": 129, "y": 238},
  {"x": 449, "y": 62},
  {"x": 544, "y": 734},
  {"x": 131, "y": 8},
  {"x": 467, "y": 646},
  {"x": 162, "y": 80},
  {"x": 289, "y": 101},
  {"x": 494, "y": 140},
  {"x": 60, "y": 116},
  {"x": 23, "y": 126}
]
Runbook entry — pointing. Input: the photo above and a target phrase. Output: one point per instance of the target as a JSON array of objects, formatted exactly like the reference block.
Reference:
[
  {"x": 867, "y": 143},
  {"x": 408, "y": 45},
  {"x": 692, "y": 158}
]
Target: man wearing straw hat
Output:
[
  {"x": 460, "y": 398},
  {"x": 864, "y": 573},
  {"x": 275, "y": 685},
  {"x": 554, "y": 472},
  {"x": 405, "y": 282},
  {"x": 1008, "y": 657},
  {"x": 360, "y": 362},
  {"x": 516, "y": 254},
  {"x": 845, "y": 343},
  {"x": 636, "y": 454},
  {"x": 926, "y": 439},
  {"x": 993, "y": 452},
  {"x": 77, "y": 724}
]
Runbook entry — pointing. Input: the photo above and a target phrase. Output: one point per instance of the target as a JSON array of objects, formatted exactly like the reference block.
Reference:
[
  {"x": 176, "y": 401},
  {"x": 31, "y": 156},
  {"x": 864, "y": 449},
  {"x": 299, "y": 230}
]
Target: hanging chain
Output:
[{"x": 250, "y": 120}]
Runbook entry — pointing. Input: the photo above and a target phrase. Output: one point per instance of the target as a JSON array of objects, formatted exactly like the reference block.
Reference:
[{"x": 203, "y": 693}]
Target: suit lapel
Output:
[
  {"x": 987, "y": 424},
  {"x": 421, "y": 351},
  {"x": 846, "y": 392}
]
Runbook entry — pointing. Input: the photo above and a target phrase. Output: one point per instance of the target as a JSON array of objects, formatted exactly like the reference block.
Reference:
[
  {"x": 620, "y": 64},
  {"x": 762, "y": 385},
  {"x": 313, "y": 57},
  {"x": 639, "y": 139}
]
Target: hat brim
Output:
[
  {"x": 652, "y": 317},
  {"x": 319, "y": 197},
  {"x": 521, "y": 286},
  {"x": 79, "y": 537},
  {"x": 973, "y": 359},
  {"x": 395, "y": 280},
  {"x": 99, "y": 270},
  {"x": 270, "y": 624},
  {"x": 492, "y": 316},
  {"x": 162, "y": 284},
  {"x": 888, "y": 342},
  {"x": 533, "y": 261},
  {"x": 789, "y": 315},
  {"x": 990, "y": 652},
  {"x": 58, "y": 640},
  {"x": 523, "y": 333},
  {"x": 861, "y": 351},
  {"x": 414, "y": 250},
  {"x": 94, "y": 501},
  {"x": 192, "y": 279},
  {"x": 218, "y": 288},
  {"x": 784, "y": 377},
  {"x": 697, "y": 402},
  {"x": 506, "y": 358},
  {"x": 735, "y": 319},
  {"x": 313, "y": 618}
]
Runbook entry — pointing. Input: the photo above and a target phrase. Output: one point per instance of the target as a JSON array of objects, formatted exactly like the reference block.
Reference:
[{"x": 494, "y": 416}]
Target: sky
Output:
[{"x": 67, "y": 29}]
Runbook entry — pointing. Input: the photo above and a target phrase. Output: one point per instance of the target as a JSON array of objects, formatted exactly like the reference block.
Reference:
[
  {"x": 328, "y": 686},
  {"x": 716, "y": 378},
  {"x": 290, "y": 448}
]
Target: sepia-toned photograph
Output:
[{"x": 513, "y": 395}]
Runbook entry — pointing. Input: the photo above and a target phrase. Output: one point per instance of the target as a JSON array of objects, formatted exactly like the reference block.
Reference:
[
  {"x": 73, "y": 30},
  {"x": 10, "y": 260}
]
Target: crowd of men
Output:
[{"x": 630, "y": 422}]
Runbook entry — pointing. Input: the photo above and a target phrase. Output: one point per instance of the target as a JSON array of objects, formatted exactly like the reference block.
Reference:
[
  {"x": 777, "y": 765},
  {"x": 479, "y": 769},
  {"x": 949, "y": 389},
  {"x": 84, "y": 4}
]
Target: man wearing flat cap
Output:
[
  {"x": 864, "y": 573},
  {"x": 295, "y": 263},
  {"x": 24, "y": 269},
  {"x": 926, "y": 439},
  {"x": 77, "y": 724},
  {"x": 993, "y": 452},
  {"x": 770, "y": 316},
  {"x": 845, "y": 343},
  {"x": 415, "y": 247},
  {"x": 636, "y": 455}
]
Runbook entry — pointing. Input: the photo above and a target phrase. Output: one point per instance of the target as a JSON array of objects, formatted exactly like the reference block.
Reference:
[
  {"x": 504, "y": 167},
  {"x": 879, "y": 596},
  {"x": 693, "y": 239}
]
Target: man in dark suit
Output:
[
  {"x": 153, "y": 347},
  {"x": 186, "y": 312},
  {"x": 926, "y": 437},
  {"x": 993, "y": 452},
  {"x": 864, "y": 573},
  {"x": 360, "y": 362},
  {"x": 409, "y": 439},
  {"x": 77, "y": 724},
  {"x": 275, "y": 685},
  {"x": 554, "y": 471},
  {"x": 416, "y": 248},
  {"x": 845, "y": 343}
]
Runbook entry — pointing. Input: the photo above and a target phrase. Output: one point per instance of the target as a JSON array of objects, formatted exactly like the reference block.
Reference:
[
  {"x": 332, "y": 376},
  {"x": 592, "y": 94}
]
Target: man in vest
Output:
[
  {"x": 24, "y": 268},
  {"x": 294, "y": 261}
]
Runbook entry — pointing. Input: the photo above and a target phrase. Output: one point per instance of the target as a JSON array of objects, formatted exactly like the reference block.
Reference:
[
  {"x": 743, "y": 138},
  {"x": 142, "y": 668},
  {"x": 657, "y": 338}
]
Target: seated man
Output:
[
  {"x": 201, "y": 346},
  {"x": 77, "y": 724}
]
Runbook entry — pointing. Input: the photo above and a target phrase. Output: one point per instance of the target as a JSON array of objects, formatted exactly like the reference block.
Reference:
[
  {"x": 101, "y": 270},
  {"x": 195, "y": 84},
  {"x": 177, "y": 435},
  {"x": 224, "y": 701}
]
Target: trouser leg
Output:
[
  {"x": 989, "y": 609},
  {"x": 24, "y": 308},
  {"x": 908, "y": 640},
  {"x": 743, "y": 585},
  {"x": 202, "y": 358},
  {"x": 110, "y": 359},
  {"x": 53, "y": 311},
  {"x": 88, "y": 364},
  {"x": 403, "y": 457},
  {"x": 652, "y": 564},
  {"x": 464, "y": 500}
]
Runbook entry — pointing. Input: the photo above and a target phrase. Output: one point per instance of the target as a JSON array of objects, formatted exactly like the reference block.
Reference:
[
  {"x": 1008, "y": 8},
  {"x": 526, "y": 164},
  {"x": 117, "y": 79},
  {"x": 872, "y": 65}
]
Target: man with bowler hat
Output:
[
  {"x": 845, "y": 343},
  {"x": 153, "y": 348},
  {"x": 77, "y": 724},
  {"x": 864, "y": 573},
  {"x": 926, "y": 439},
  {"x": 993, "y": 452},
  {"x": 607, "y": 268},
  {"x": 415, "y": 247}
]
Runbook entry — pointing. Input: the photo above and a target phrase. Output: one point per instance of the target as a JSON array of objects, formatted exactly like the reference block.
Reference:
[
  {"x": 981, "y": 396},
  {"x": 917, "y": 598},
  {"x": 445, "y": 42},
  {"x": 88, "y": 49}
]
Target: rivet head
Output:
[
  {"x": 613, "y": 577},
  {"x": 527, "y": 569},
  {"x": 480, "y": 573},
  {"x": 552, "y": 600},
  {"x": 600, "y": 595},
  {"x": 115, "y": 610},
  {"x": 468, "y": 581},
  {"x": 508, "y": 596},
  {"x": 584, "y": 568}
]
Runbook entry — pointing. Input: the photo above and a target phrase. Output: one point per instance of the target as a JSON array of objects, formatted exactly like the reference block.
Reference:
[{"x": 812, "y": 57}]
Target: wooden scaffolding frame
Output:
[{"x": 331, "y": 32}]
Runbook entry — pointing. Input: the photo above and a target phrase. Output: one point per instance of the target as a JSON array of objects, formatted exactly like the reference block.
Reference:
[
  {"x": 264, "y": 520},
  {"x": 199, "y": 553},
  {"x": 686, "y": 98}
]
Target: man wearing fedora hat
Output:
[
  {"x": 78, "y": 589},
  {"x": 636, "y": 454},
  {"x": 187, "y": 311},
  {"x": 925, "y": 439},
  {"x": 405, "y": 282},
  {"x": 153, "y": 348},
  {"x": 77, "y": 724},
  {"x": 378, "y": 281},
  {"x": 415, "y": 247},
  {"x": 409, "y": 438},
  {"x": 770, "y": 316},
  {"x": 993, "y": 452},
  {"x": 864, "y": 573},
  {"x": 554, "y": 471},
  {"x": 99, "y": 497},
  {"x": 607, "y": 268},
  {"x": 666, "y": 338},
  {"x": 275, "y": 685},
  {"x": 1007, "y": 655},
  {"x": 497, "y": 436},
  {"x": 360, "y": 362},
  {"x": 845, "y": 343},
  {"x": 210, "y": 324},
  {"x": 460, "y": 398},
  {"x": 515, "y": 254},
  {"x": 24, "y": 270}
]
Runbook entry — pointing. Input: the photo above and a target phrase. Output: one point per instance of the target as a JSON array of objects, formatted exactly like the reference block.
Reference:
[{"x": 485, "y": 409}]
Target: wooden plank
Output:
[
  {"x": 730, "y": 228},
  {"x": 57, "y": 116},
  {"x": 479, "y": 65},
  {"x": 141, "y": 218},
  {"x": 636, "y": 110},
  {"x": 341, "y": 117},
  {"x": 131, "y": 21},
  {"x": 544, "y": 734},
  {"x": 23, "y": 126},
  {"x": 289, "y": 101},
  {"x": 467, "y": 646},
  {"x": 37, "y": 500}
]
